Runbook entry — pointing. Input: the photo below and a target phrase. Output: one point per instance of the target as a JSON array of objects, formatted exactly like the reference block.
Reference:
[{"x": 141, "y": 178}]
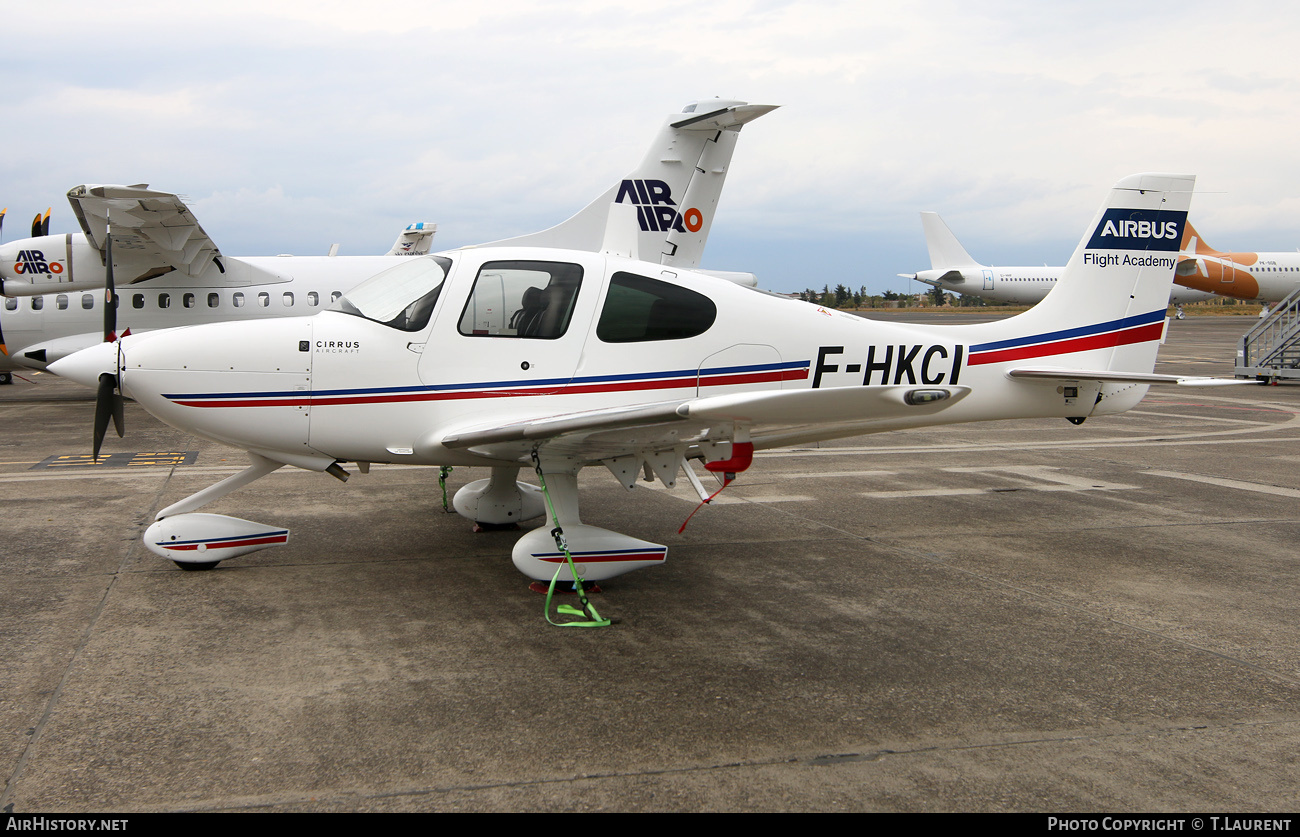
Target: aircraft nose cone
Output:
[{"x": 87, "y": 365}]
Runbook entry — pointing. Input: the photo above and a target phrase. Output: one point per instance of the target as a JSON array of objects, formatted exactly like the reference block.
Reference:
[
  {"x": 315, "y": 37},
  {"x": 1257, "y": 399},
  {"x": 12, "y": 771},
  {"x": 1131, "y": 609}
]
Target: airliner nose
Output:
[{"x": 87, "y": 365}]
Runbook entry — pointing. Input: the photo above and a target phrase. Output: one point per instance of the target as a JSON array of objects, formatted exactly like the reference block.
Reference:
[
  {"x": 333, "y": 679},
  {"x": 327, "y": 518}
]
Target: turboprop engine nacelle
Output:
[{"x": 50, "y": 264}]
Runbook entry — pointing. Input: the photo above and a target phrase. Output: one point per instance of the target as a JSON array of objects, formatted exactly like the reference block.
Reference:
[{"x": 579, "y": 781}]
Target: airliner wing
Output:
[
  {"x": 1051, "y": 374},
  {"x": 622, "y": 431},
  {"x": 150, "y": 229}
]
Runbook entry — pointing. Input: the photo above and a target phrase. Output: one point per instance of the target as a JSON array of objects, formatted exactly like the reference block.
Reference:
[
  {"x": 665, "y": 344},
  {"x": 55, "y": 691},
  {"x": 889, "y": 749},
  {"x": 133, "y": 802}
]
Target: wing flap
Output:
[{"x": 620, "y": 431}]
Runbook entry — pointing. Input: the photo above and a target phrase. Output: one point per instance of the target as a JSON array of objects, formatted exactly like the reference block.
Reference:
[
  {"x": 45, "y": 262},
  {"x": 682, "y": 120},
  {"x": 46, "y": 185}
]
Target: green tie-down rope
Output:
[
  {"x": 443, "y": 473},
  {"x": 592, "y": 619}
]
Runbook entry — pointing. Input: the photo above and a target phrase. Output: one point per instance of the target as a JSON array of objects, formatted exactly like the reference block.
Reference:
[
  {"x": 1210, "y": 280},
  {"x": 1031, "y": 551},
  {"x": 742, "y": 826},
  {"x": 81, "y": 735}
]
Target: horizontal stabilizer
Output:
[{"x": 1050, "y": 374}]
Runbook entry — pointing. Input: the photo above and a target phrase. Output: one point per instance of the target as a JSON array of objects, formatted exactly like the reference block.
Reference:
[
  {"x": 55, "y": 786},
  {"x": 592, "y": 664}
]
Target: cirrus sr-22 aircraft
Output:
[{"x": 558, "y": 359}]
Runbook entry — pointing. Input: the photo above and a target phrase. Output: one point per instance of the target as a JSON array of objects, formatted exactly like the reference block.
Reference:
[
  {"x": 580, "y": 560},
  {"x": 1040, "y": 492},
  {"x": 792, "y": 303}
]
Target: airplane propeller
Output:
[
  {"x": 110, "y": 291},
  {"x": 41, "y": 223},
  {"x": 3, "y": 212},
  {"x": 109, "y": 402}
]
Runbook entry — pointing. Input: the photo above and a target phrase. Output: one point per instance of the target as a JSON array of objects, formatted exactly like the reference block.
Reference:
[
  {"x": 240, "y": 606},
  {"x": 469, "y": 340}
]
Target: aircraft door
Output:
[
  {"x": 988, "y": 280},
  {"x": 741, "y": 368},
  {"x": 24, "y": 320},
  {"x": 520, "y": 330}
]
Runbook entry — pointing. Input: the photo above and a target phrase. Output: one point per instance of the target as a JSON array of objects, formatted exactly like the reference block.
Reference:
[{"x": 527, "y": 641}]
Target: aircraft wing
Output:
[
  {"x": 604, "y": 434},
  {"x": 155, "y": 231},
  {"x": 1052, "y": 374}
]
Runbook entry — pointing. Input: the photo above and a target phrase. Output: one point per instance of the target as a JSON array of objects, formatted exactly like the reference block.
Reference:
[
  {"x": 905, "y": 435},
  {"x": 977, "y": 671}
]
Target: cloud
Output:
[{"x": 343, "y": 123}]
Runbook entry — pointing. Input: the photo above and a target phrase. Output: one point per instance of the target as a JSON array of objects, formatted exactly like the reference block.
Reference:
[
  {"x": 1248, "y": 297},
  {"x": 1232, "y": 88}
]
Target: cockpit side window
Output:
[
  {"x": 533, "y": 300},
  {"x": 401, "y": 297},
  {"x": 639, "y": 309}
]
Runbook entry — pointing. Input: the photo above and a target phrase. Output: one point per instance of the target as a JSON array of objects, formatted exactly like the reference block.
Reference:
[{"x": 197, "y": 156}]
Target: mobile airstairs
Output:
[{"x": 1271, "y": 350}]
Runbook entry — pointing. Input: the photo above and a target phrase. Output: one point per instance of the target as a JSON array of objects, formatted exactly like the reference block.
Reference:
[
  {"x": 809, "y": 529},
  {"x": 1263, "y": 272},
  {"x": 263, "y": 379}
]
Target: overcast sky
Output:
[{"x": 293, "y": 125}]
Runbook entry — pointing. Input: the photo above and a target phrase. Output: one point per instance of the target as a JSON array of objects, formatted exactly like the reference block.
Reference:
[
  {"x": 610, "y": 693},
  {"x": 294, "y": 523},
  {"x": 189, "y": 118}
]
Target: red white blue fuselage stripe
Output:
[
  {"x": 271, "y": 537},
  {"x": 1141, "y": 328},
  {"x": 719, "y": 376},
  {"x": 604, "y": 556}
]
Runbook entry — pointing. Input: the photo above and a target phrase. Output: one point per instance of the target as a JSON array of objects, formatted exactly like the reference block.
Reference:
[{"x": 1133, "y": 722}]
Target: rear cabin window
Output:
[
  {"x": 533, "y": 300},
  {"x": 639, "y": 309}
]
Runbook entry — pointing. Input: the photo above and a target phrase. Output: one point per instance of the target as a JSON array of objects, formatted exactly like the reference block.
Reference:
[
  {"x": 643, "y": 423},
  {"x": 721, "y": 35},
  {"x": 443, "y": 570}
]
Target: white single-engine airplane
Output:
[
  {"x": 952, "y": 269},
  {"x": 559, "y": 359},
  {"x": 169, "y": 273}
]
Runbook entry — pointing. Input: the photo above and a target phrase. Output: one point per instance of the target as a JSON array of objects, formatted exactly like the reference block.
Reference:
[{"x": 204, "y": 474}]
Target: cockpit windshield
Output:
[{"x": 401, "y": 297}]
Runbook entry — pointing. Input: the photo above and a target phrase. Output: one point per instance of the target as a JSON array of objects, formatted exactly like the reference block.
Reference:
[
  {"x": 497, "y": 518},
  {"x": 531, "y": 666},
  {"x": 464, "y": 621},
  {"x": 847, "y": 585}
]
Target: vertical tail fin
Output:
[
  {"x": 945, "y": 250},
  {"x": 1193, "y": 243},
  {"x": 415, "y": 240},
  {"x": 672, "y": 195},
  {"x": 1107, "y": 311}
]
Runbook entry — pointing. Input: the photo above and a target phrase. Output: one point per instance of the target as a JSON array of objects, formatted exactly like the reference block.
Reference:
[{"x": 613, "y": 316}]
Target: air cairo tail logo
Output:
[
  {"x": 33, "y": 261},
  {"x": 655, "y": 209}
]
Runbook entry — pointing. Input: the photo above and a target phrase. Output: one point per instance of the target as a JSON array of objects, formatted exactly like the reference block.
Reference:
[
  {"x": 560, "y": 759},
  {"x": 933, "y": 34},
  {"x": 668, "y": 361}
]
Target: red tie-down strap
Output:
[{"x": 742, "y": 456}]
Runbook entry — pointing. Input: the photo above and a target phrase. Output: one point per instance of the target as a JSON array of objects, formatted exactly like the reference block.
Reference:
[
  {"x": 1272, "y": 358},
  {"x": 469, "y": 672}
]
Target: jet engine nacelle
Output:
[
  {"x": 50, "y": 264},
  {"x": 597, "y": 553},
  {"x": 209, "y": 538}
]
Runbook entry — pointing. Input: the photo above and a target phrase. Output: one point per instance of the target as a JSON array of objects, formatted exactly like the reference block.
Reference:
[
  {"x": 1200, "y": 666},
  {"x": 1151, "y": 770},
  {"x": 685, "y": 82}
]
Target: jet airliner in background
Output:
[
  {"x": 1262, "y": 277},
  {"x": 953, "y": 270},
  {"x": 168, "y": 272}
]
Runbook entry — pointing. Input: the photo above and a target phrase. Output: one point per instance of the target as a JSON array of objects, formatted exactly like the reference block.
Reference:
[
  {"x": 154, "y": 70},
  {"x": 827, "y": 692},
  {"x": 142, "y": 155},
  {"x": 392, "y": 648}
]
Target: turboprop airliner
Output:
[
  {"x": 172, "y": 271},
  {"x": 168, "y": 272},
  {"x": 555, "y": 360},
  {"x": 952, "y": 269},
  {"x": 1262, "y": 277}
]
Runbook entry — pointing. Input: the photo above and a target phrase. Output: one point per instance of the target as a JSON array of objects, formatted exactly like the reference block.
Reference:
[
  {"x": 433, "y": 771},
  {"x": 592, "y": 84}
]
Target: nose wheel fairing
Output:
[{"x": 209, "y": 538}]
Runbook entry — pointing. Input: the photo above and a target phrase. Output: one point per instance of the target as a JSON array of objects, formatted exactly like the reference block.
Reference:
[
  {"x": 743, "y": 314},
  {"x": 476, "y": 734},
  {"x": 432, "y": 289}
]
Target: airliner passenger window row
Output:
[{"x": 62, "y": 302}]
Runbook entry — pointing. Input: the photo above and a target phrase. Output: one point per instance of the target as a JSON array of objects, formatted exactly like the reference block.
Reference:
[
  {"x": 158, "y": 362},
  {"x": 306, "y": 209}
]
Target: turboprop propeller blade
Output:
[
  {"x": 108, "y": 404},
  {"x": 110, "y": 291},
  {"x": 108, "y": 393}
]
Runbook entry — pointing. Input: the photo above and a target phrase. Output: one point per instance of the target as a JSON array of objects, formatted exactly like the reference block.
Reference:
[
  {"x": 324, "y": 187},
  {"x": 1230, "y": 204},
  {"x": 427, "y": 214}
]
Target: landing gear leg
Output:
[
  {"x": 193, "y": 541},
  {"x": 597, "y": 553}
]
